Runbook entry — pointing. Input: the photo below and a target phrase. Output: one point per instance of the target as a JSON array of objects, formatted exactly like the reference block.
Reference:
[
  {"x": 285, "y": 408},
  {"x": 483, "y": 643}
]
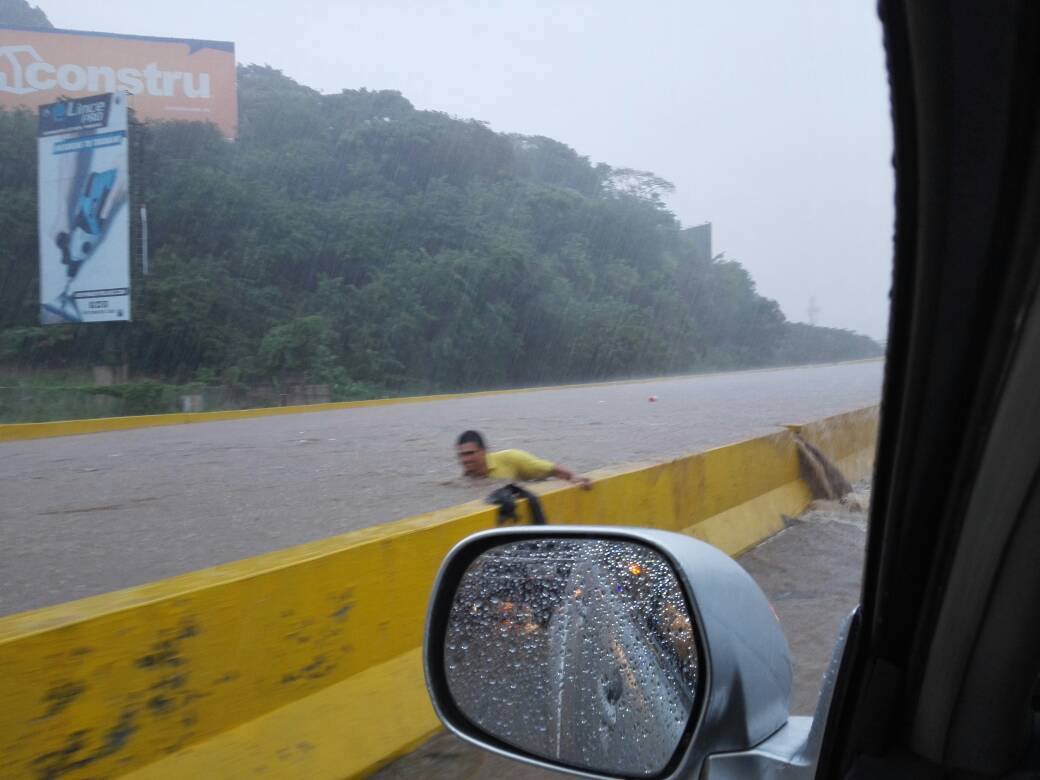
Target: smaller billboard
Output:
[
  {"x": 700, "y": 241},
  {"x": 84, "y": 220}
]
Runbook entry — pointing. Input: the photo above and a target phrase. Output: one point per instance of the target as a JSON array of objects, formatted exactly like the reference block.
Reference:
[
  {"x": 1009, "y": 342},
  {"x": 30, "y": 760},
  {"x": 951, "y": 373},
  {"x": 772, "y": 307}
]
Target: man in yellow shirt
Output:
[{"x": 508, "y": 464}]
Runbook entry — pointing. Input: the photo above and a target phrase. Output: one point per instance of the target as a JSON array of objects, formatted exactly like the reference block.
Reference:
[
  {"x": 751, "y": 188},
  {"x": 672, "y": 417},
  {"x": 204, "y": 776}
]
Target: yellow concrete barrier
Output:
[
  {"x": 848, "y": 440},
  {"x": 305, "y": 662},
  {"x": 48, "y": 430}
]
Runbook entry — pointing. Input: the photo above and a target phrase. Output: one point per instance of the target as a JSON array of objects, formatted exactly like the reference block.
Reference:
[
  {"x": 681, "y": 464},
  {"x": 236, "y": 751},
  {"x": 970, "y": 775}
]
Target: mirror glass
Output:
[{"x": 581, "y": 651}]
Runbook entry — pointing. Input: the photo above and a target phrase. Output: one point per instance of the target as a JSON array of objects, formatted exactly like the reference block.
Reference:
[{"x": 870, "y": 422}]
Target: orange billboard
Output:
[{"x": 167, "y": 78}]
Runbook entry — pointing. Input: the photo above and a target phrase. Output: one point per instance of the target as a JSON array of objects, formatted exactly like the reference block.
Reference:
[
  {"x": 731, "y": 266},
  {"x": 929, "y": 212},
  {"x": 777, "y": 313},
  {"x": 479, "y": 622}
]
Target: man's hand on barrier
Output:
[{"x": 560, "y": 472}]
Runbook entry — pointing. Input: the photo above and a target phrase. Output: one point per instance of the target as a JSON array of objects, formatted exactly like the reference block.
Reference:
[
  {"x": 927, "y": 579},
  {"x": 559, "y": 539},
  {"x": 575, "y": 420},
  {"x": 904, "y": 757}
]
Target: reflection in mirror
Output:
[{"x": 576, "y": 650}]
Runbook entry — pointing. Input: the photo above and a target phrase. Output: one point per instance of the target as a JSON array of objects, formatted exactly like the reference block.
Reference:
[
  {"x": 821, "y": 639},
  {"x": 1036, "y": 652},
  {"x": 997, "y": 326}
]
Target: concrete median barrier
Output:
[{"x": 305, "y": 662}]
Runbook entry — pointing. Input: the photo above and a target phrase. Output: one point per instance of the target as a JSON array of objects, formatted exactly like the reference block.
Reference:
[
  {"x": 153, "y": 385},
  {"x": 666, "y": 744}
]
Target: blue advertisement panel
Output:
[{"x": 84, "y": 215}]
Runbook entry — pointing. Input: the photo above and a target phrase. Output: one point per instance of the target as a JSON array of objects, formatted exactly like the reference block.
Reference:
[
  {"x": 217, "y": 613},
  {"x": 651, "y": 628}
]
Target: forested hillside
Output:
[{"x": 350, "y": 238}]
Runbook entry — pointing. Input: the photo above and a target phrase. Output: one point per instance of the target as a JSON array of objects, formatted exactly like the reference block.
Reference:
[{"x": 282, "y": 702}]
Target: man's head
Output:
[{"x": 472, "y": 454}]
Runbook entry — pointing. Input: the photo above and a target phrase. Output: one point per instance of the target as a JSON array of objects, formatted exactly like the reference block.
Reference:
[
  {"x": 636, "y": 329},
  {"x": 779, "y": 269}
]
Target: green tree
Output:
[{"x": 21, "y": 14}]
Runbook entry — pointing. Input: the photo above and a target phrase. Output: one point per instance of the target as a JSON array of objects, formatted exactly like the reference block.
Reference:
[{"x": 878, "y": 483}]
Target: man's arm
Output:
[
  {"x": 564, "y": 473},
  {"x": 530, "y": 467}
]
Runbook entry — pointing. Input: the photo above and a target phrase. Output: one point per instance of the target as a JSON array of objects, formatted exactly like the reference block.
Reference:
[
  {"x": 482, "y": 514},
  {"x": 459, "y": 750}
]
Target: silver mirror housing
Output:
[{"x": 737, "y": 687}]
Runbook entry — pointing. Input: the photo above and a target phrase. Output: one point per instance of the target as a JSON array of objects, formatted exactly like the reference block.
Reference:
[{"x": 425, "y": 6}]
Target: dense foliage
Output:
[
  {"x": 813, "y": 344},
  {"x": 352, "y": 238},
  {"x": 21, "y": 14}
]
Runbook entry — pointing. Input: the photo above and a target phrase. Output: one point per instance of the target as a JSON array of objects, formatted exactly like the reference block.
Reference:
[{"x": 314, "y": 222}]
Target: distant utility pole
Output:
[{"x": 814, "y": 310}]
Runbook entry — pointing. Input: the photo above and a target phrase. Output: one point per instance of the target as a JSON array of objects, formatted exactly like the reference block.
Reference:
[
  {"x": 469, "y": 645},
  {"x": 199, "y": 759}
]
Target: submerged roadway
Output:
[{"x": 83, "y": 515}]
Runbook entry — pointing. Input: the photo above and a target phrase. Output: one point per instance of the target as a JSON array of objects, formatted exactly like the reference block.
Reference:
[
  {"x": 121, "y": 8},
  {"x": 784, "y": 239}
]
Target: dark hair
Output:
[{"x": 470, "y": 437}]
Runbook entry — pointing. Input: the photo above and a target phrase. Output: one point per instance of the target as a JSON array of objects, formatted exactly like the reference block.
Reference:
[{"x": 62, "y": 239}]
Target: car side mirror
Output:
[{"x": 604, "y": 652}]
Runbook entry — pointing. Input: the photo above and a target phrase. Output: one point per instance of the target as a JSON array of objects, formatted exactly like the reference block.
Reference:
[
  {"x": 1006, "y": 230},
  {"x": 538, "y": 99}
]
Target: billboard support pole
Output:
[{"x": 144, "y": 240}]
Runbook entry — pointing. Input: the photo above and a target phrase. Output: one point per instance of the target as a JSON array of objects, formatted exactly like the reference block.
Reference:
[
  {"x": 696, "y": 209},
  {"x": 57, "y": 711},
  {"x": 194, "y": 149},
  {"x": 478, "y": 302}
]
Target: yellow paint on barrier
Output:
[
  {"x": 847, "y": 439},
  {"x": 345, "y": 730},
  {"x": 636, "y": 496},
  {"x": 735, "y": 530},
  {"x": 209, "y": 671},
  {"x": 46, "y": 430},
  {"x": 733, "y": 486},
  {"x": 112, "y": 683}
]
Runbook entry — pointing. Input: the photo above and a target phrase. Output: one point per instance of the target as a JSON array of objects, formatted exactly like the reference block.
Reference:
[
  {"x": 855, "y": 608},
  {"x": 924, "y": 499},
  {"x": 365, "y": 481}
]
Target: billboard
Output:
[
  {"x": 700, "y": 241},
  {"x": 167, "y": 78},
  {"x": 84, "y": 220}
]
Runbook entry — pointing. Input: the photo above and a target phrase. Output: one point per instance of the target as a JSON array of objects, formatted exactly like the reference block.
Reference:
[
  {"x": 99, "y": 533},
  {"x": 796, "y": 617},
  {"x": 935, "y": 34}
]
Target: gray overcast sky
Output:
[{"x": 771, "y": 118}]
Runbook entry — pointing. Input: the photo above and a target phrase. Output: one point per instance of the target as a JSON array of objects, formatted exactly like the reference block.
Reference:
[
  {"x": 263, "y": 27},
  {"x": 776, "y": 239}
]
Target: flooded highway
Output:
[{"x": 88, "y": 514}]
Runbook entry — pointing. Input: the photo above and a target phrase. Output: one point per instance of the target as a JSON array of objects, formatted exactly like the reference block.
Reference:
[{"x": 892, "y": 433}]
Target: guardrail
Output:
[{"x": 306, "y": 662}]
